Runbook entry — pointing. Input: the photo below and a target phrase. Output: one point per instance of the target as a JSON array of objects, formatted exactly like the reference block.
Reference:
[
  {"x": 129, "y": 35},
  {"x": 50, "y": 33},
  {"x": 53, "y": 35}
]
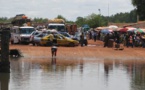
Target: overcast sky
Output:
[{"x": 70, "y": 9}]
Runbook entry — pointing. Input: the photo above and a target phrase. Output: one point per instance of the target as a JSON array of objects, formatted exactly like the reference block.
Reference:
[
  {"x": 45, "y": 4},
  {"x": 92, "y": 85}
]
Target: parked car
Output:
[
  {"x": 66, "y": 34},
  {"x": 36, "y": 37},
  {"x": 77, "y": 37},
  {"x": 61, "y": 41},
  {"x": 34, "y": 33}
]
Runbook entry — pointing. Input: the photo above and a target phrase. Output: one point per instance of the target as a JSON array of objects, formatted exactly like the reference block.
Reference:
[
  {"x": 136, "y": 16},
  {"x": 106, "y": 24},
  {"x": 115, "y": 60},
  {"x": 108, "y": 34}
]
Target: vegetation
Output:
[
  {"x": 124, "y": 17},
  {"x": 93, "y": 20},
  {"x": 140, "y": 6}
]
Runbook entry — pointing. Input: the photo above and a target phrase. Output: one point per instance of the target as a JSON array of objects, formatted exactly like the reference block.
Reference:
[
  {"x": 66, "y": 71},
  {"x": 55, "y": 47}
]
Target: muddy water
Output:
[{"x": 45, "y": 73}]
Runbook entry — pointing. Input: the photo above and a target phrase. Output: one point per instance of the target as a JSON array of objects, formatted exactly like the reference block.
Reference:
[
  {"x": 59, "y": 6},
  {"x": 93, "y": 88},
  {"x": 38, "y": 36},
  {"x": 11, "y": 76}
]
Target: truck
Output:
[
  {"x": 57, "y": 24},
  {"x": 20, "y": 20},
  {"x": 71, "y": 28},
  {"x": 21, "y": 29}
]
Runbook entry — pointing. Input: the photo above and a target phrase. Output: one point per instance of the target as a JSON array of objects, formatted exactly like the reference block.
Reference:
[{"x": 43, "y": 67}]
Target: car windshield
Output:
[
  {"x": 77, "y": 34},
  {"x": 35, "y": 33},
  {"x": 65, "y": 34},
  {"x": 59, "y": 28},
  {"x": 26, "y": 30}
]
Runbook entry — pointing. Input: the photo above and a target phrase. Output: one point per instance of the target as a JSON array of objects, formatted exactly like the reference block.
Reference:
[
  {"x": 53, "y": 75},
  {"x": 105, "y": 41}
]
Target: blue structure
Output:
[{"x": 85, "y": 27}]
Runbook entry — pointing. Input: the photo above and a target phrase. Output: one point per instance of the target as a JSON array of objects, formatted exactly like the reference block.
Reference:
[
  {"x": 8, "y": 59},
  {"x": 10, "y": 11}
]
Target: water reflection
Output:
[
  {"x": 4, "y": 81},
  {"x": 64, "y": 74}
]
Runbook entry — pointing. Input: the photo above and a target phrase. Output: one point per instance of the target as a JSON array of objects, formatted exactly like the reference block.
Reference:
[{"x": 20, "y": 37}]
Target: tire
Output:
[
  {"x": 12, "y": 42},
  {"x": 71, "y": 44},
  {"x": 19, "y": 42},
  {"x": 85, "y": 42},
  {"x": 33, "y": 44}
]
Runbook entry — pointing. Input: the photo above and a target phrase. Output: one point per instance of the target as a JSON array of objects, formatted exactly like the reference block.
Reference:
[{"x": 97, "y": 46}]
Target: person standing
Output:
[
  {"x": 106, "y": 40},
  {"x": 82, "y": 39},
  {"x": 127, "y": 40},
  {"x": 130, "y": 41},
  {"x": 90, "y": 34},
  {"x": 54, "y": 45},
  {"x": 95, "y": 36},
  {"x": 51, "y": 37}
]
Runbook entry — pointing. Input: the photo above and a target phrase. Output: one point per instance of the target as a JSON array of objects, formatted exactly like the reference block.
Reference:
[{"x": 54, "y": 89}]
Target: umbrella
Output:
[
  {"x": 143, "y": 30},
  {"x": 131, "y": 29},
  {"x": 123, "y": 30},
  {"x": 113, "y": 27},
  {"x": 139, "y": 30},
  {"x": 100, "y": 28},
  {"x": 105, "y": 31}
]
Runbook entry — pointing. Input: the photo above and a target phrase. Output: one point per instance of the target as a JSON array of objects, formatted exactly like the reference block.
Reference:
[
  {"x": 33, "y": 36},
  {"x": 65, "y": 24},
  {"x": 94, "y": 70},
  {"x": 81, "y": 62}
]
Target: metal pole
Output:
[
  {"x": 99, "y": 17},
  {"x": 108, "y": 12}
]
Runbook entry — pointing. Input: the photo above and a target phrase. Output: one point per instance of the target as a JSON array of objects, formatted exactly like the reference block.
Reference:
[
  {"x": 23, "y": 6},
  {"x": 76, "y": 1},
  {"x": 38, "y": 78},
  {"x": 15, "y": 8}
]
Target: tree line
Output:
[
  {"x": 96, "y": 20},
  {"x": 93, "y": 20}
]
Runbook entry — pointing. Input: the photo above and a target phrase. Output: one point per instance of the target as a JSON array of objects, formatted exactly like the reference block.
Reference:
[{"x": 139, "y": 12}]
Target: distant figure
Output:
[
  {"x": 127, "y": 40},
  {"x": 82, "y": 39},
  {"x": 54, "y": 47},
  {"x": 51, "y": 37},
  {"x": 130, "y": 41},
  {"x": 106, "y": 40},
  {"x": 54, "y": 50},
  {"x": 95, "y": 36},
  {"x": 90, "y": 35}
]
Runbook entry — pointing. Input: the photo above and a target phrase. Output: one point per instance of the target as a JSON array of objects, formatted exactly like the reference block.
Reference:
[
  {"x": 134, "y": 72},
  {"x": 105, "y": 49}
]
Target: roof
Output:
[
  {"x": 26, "y": 27},
  {"x": 59, "y": 24}
]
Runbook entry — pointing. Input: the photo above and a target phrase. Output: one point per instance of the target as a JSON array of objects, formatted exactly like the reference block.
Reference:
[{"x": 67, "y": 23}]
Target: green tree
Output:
[
  {"x": 80, "y": 21},
  {"x": 94, "y": 20},
  {"x": 61, "y": 17},
  {"x": 128, "y": 17},
  {"x": 140, "y": 6},
  {"x": 40, "y": 20}
]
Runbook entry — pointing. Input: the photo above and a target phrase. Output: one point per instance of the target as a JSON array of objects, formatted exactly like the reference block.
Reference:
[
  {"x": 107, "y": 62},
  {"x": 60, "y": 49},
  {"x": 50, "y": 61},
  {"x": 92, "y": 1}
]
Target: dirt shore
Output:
[{"x": 94, "y": 51}]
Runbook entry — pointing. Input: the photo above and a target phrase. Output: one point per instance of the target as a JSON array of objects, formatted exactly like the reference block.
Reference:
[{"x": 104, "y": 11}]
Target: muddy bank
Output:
[{"x": 94, "y": 51}]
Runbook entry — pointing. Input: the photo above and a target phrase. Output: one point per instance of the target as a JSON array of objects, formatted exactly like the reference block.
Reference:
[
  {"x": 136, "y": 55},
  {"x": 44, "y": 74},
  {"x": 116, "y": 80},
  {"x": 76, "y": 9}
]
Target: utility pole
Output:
[
  {"x": 108, "y": 12},
  {"x": 99, "y": 17}
]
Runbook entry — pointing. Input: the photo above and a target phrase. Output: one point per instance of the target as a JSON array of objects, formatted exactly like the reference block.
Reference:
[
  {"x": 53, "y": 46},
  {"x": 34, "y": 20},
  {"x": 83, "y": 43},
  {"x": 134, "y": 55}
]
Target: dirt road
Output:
[{"x": 93, "y": 51}]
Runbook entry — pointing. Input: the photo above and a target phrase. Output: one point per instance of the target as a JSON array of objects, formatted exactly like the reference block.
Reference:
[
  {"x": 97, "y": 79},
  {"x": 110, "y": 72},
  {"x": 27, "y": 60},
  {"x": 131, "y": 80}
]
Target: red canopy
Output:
[{"x": 123, "y": 30}]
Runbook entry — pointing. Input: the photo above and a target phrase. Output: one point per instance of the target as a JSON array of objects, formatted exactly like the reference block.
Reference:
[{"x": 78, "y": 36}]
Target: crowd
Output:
[{"x": 128, "y": 39}]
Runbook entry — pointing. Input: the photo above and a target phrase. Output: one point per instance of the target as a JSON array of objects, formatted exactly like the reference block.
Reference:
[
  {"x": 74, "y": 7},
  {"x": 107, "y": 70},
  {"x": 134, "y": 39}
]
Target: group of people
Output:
[
  {"x": 129, "y": 39},
  {"x": 92, "y": 34}
]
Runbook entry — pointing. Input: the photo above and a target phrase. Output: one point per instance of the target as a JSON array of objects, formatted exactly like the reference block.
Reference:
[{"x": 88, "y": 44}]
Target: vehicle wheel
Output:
[
  {"x": 71, "y": 44},
  {"x": 86, "y": 43},
  {"x": 49, "y": 44},
  {"x": 12, "y": 42},
  {"x": 19, "y": 42},
  {"x": 33, "y": 44}
]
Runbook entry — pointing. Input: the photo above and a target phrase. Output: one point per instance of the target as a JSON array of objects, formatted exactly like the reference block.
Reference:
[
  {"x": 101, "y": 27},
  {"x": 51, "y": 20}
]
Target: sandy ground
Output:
[{"x": 94, "y": 51}]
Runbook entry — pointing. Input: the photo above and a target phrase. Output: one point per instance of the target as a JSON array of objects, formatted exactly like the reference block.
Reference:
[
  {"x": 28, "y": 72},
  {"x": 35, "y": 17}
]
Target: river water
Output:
[{"x": 30, "y": 73}]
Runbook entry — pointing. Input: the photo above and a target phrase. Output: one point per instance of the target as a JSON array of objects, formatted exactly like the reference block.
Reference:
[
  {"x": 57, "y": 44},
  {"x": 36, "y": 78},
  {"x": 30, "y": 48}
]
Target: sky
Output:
[{"x": 69, "y": 9}]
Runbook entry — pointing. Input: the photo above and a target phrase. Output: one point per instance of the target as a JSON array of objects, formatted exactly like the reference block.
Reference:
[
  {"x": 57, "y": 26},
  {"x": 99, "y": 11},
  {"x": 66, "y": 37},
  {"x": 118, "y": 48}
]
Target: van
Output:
[{"x": 21, "y": 34}]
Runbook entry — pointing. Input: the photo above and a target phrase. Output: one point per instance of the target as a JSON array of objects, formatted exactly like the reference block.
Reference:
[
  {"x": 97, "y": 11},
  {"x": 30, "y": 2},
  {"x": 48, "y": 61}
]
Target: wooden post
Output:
[{"x": 5, "y": 64}]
